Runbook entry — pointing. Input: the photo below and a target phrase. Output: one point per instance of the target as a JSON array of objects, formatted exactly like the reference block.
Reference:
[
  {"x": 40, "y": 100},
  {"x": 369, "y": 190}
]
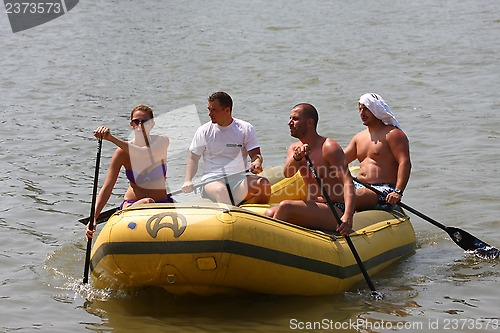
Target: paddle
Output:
[
  {"x": 104, "y": 216},
  {"x": 462, "y": 238},
  {"x": 228, "y": 188},
  {"x": 92, "y": 211},
  {"x": 375, "y": 294}
]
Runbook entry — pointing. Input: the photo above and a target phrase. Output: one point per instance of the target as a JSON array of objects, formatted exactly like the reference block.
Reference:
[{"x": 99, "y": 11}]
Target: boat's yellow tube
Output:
[{"x": 214, "y": 248}]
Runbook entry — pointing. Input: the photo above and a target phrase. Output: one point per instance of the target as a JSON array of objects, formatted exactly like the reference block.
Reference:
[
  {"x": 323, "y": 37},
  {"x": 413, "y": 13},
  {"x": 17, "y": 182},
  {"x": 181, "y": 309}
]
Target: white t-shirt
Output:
[{"x": 224, "y": 149}]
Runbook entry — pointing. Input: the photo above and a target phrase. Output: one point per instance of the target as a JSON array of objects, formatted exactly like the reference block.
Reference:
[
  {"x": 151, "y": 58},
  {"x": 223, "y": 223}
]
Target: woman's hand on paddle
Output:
[
  {"x": 89, "y": 233},
  {"x": 345, "y": 227},
  {"x": 102, "y": 132}
]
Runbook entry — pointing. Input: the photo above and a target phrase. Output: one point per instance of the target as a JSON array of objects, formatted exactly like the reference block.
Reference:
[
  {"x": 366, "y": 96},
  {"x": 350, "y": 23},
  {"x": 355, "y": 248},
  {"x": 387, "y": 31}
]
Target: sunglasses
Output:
[{"x": 138, "y": 122}]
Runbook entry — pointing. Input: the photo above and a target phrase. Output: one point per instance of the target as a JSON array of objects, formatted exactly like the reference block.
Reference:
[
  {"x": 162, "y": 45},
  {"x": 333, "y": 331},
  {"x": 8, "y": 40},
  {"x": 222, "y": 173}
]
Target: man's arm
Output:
[
  {"x": 345, "y": 178},
  {"x": 337, "y": 159},
  {"x": 191, "y": 169},
  {"x": 351, "y": 150},
  {"x": 257, "y": 160},
  {"x": 400, "y": 148},
  {"x": 292, "y": 163}
]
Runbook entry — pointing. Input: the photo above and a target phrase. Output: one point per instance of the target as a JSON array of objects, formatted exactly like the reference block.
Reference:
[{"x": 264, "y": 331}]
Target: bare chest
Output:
[{"x": 373, "y": 148}]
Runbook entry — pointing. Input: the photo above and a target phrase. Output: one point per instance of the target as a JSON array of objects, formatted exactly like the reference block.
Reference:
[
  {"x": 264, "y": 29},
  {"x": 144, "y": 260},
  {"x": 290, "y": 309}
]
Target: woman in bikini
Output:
[{"x": 144, "y": 159}]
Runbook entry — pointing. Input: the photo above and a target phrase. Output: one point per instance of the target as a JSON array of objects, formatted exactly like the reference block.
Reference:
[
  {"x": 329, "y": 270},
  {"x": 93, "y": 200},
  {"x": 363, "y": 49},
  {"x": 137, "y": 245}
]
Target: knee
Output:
[
  {"x": 365, "y": 199},
  {"x": 215, "y": 191},
  {"x": 219, "y": 194},
  {"x": 258, "y": 182},
  {"x": 263, "y": 187},
  {"x": 283, "y": 209},
  {"x": 270, "y": 211},
  {"x": 286, "y": 204},
  {"x": 264, "y": 182}
]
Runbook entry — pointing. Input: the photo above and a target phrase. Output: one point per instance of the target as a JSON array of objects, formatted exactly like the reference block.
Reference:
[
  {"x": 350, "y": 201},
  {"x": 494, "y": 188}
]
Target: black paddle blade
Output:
[
  {"x": 472, "y": 244},
  {"x": 103, "y": 217}
]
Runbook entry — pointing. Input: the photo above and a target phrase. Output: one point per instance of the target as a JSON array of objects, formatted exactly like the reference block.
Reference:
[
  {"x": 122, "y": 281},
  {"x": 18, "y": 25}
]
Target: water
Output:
[{"x": 435, "y": 63}]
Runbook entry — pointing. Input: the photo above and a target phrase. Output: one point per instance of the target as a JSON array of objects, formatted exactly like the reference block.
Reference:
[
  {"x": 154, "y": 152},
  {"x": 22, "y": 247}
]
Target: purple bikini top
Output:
[{"x": 158, "y": 172}]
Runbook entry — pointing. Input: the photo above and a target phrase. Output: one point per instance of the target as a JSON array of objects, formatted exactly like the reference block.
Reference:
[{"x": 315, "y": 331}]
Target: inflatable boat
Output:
[{"x": 205, "y": 248}]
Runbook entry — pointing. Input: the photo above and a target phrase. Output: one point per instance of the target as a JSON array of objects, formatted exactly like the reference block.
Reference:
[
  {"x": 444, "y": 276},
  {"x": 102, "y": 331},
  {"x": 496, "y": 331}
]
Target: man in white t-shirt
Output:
[{"x": 225, "y": 144}]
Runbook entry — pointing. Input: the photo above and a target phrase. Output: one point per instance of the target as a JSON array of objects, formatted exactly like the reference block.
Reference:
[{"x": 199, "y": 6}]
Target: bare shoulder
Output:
[
  {"x": 394, "y": 134},
  {"x": 332, "y": 151},
  {"x": 331, "y": 145},
  {"x": 360, "y": 136},
  {"x": 334, "y": 154}
]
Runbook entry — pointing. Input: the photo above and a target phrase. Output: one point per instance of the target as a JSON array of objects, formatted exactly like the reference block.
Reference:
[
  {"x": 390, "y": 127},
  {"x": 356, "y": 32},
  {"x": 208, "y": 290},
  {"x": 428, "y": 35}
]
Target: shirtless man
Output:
[
  {"x": 383, "y": 153},
  {"x": 331, "y": 165}
]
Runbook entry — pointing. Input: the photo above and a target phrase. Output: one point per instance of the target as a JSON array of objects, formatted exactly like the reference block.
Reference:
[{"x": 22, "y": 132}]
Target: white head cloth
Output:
[{"x": 376, "y": 104}]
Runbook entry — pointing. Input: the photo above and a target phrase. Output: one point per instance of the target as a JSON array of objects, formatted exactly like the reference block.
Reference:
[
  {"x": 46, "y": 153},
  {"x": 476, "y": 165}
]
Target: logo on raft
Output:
[{"x": 178, "y": 224}]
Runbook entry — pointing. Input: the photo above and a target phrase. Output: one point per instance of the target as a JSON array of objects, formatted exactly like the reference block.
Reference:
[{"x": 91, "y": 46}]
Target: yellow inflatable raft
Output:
[{"x": 208, "y": 248}]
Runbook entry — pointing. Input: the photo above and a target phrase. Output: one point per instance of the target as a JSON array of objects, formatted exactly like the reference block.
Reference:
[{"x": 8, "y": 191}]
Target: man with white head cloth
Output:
[{"x": 383, "y": 152}]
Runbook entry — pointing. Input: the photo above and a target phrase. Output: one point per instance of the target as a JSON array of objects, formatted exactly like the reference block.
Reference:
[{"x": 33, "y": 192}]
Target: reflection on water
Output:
[
  {"x": 227, "y": 314},
  {"x": 154, "y": 308}
]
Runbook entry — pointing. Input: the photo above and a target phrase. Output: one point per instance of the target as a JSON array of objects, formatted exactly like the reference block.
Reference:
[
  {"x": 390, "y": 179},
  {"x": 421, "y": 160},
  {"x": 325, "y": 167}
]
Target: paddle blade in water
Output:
[
  {"x": 376, "y": 295},
  {"x": 488, "y": 252},
  {"x": 472, "y": 244}
]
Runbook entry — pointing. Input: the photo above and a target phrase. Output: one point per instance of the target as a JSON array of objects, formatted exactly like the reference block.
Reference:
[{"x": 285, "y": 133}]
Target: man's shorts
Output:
[
  {"x": 234, "y": 181},
  {"x": 385, "y": 189}
]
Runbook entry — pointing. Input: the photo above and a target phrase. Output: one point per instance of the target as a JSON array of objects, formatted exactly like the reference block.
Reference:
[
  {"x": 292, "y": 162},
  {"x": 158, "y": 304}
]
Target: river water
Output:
[{"x": 435, "y": 62}]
